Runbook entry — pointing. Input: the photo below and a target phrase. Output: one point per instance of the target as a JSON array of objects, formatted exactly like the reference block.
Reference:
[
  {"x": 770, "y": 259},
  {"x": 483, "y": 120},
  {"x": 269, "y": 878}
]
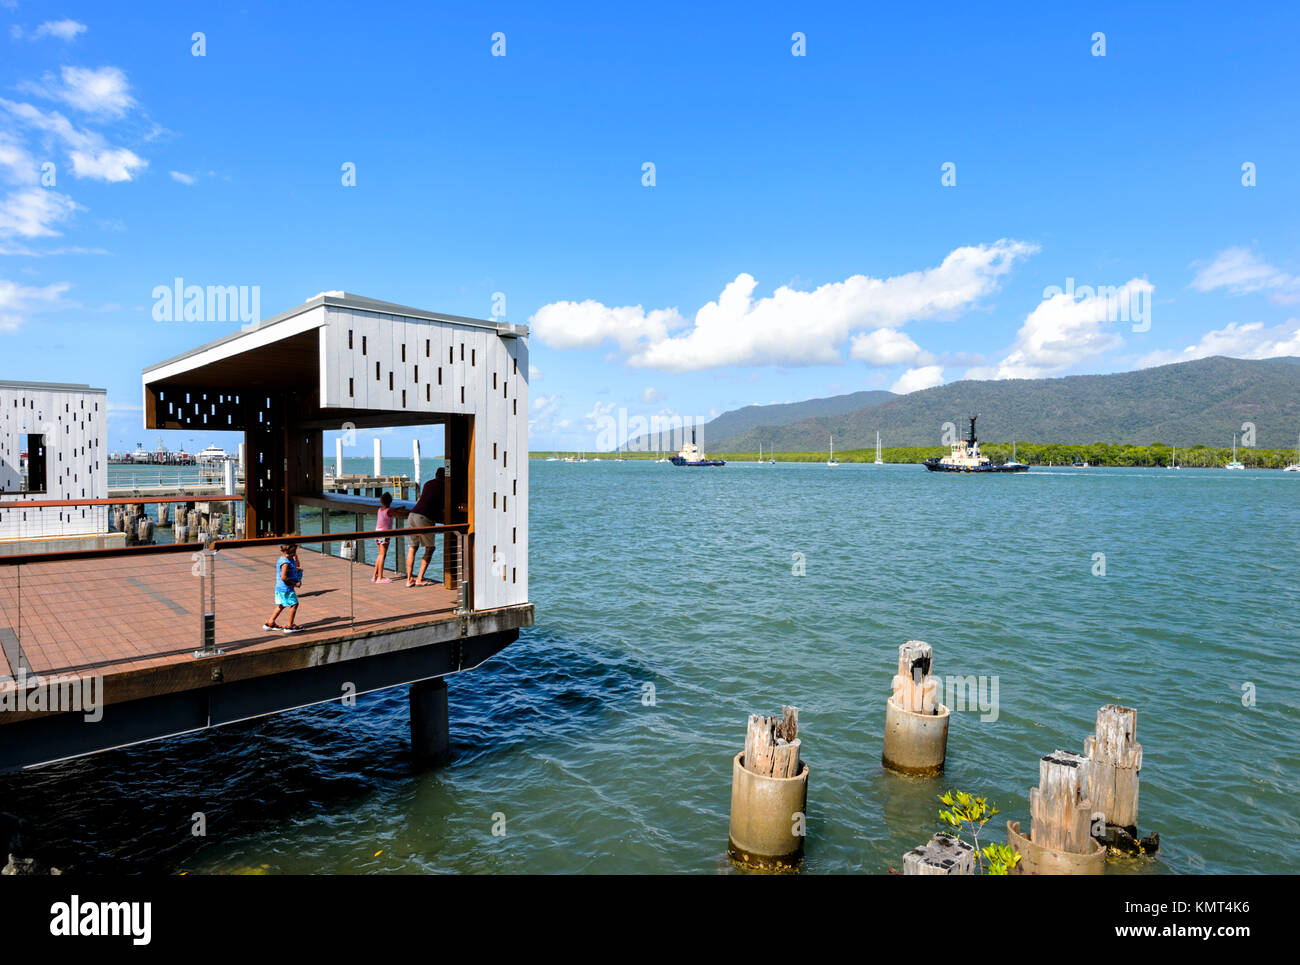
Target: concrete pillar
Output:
[
  {"x": 430, "y": 731},
  {"x": 338, "y": 457},
  {"x": 379, "y": 470},
  {"x": 415, "y": 455}
]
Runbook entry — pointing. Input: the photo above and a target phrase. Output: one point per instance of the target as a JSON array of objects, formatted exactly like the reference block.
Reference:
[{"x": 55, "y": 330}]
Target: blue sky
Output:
[{"x": 801, "y": 194}]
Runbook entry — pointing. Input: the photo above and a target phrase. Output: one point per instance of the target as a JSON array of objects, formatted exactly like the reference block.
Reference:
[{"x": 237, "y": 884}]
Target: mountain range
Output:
[{"x": 1204, "y": 401}]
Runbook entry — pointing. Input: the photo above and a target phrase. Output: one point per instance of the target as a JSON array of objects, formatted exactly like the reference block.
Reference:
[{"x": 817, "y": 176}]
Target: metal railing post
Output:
[
  {"x": 462, "y": 583},
  {"x": 207, "y": 599}
]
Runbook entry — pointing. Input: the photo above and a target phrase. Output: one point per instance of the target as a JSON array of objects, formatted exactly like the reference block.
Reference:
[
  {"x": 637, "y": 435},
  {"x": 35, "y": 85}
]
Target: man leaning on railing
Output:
[{"x": 427, "y": 511}]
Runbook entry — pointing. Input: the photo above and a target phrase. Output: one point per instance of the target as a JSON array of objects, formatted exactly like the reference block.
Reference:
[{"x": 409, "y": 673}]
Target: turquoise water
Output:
[{"x": 644, "y": 574}]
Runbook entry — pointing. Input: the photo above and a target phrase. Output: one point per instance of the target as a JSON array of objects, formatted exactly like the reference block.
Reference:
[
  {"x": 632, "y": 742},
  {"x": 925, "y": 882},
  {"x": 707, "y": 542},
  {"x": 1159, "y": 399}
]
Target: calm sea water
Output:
[{"x": 647, "y": 576}]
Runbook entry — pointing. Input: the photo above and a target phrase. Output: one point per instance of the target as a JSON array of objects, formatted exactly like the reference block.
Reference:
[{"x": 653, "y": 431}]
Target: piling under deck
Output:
[{"x": 135, "y": 622}]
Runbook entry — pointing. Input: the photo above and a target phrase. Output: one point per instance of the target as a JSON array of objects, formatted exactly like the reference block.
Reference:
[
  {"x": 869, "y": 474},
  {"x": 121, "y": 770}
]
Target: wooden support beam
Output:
[{"x": 1059, "y": 808}]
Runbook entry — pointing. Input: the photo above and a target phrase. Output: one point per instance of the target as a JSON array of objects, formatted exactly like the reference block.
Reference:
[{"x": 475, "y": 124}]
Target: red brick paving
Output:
[{"x": 116, "y": 614}]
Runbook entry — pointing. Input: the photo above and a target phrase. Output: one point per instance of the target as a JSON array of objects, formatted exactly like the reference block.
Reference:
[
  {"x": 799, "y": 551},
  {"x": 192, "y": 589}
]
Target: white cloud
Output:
[
  {"x": 1250, "y": 341},
  {"x": 91, "y": 156},
  {"x": 1242, "y": 272},
  {"x": 112, "y": 165},
  {"x": 788, "y": 327},
  {"x": 599, "y": 411},
  {"x": 102, "y": 91},
  {"x": 651, "y": 395},
  {"x": 1064, "y": 330},
  {"x": 545, "y": 415},
  {"x": 16, "y": 301},
  {"x": 182, "y": 178},
  {"x": 588, "y": 324},
  {"x": 33, "y": 212},
  {"x": 21, "y": 166},
  {"x": 59, "y": 29},
  {"x": 534, "y": 373},
  {"x": 886, "y": 346},
  {"x": 913, "y": 380}
]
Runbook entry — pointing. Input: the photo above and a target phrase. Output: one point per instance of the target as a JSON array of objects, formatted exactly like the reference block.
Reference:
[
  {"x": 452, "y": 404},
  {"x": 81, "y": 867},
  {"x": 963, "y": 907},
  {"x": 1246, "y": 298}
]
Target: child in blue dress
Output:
[{"x": 288, "y": 576}]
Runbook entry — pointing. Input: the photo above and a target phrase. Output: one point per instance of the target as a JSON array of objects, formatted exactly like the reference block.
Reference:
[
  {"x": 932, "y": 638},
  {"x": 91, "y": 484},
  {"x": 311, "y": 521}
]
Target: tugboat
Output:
[
  {"x": 966, "y": 457},
  {"x": 691, "y": 455}
]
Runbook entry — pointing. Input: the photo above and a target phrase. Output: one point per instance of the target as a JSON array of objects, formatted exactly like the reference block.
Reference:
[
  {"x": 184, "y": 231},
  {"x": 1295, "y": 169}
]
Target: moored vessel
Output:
[
  {"x": 692, "y": 455},
  {"x": 966, "y": 457}
]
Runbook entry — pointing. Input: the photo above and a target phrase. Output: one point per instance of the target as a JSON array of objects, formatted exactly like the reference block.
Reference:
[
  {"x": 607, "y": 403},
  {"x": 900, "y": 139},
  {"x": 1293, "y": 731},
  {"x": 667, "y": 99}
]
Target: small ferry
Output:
[
  {"x": 966, "y": 457},
  {"x": 213, "y": 453},
  {"x": 691, "y": 455},
  {"x": 1295, "y": 466}
]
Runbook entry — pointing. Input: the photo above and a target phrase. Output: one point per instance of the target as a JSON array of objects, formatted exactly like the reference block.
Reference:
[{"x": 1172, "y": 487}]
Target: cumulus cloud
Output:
[
  {"x": 589, "y": 324},
  {"x": 1065, "y": 329},
  {"x": 1250, "y": 341},
  {"x": 912, "y": 380},
  {"x": 886, "y": 346},
  {"x": 788, "y": 327},
  {"x": 651, "y": 395},
  {"x": 182, "y": 178},
  {"x": 1241, "y": 272},
  {"x": 17, "y": 301}
]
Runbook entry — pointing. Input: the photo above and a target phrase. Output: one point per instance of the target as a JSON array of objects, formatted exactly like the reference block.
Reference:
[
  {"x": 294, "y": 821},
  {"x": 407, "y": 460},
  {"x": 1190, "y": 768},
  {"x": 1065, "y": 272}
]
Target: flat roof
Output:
[
  {"x": 63, "y": 386},
  {"x": 338, "y": 299}
]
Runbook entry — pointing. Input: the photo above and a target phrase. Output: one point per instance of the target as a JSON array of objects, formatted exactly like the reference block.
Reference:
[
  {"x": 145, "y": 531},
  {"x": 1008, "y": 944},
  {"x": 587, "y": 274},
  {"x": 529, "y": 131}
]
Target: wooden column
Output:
[
  {"x": 1059, "y": 808},
  {"x": 1115, "y": 759}
]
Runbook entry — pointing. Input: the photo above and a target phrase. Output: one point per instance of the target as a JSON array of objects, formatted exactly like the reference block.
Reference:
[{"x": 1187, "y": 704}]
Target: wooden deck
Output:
[{"x": 136, "y": 618}]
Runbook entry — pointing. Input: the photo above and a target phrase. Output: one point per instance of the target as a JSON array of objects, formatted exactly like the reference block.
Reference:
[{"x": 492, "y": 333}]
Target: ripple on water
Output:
[{"x": 648, "y": 577}]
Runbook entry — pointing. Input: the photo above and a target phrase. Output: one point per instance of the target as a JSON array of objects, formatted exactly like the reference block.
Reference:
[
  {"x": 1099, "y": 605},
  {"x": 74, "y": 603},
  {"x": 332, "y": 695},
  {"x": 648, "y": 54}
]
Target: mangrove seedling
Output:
[{"x": 965, "y": 812}]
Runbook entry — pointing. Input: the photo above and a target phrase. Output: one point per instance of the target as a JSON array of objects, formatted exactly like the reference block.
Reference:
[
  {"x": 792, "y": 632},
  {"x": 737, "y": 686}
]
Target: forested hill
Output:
[{"x": 1204, "y": 401}]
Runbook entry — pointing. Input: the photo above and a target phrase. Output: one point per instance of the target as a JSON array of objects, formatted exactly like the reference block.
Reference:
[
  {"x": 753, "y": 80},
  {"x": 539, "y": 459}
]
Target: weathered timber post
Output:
[
  {"x": 769, "y": 794},
  {"x": 180, "y": 532},
  {"x": 916, "y": 723},
  {"x": 1060, "y": 834},
  {"x": 430, "y": 730},
  {"x": 946, "y": 854},
  {"x": 144, "y": 534},
  {"x": 1115, "y": 759},
  {"x": 164, "y": 515}
]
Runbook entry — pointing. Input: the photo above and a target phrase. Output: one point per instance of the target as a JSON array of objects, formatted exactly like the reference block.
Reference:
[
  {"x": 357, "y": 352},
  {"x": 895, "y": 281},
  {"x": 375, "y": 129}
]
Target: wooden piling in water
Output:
[
  {"x": 1115, "y": 761},
  {"x": 945, "y": 854},
  {"x": 769, "y": 793},
  {"x": 1060, "y": 834},
  {"x": 916, "y": 723}
]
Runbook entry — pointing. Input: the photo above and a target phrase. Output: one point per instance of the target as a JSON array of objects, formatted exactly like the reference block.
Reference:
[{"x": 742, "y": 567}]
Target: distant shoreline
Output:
[{"x": 1099, "y": 454}]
